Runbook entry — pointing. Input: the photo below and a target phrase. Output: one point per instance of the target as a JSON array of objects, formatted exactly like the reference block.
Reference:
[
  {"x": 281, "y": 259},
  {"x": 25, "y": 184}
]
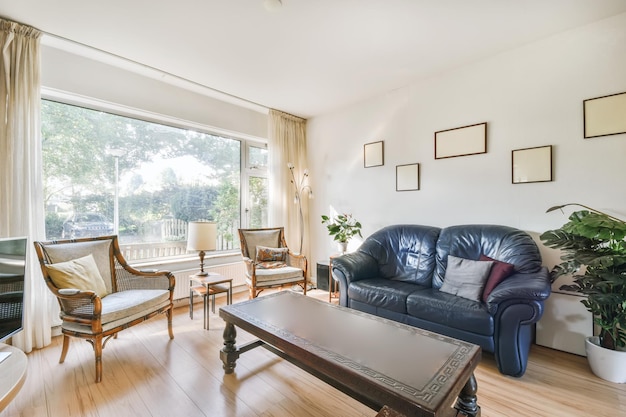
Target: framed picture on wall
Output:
[
  {"x": 408, "y": 177},
  {"x": 373, "y": 154},
  {"x": 532, "y": 165},
  {"x": 605, "y": 116},
  {"x": 461, "y": 141}
]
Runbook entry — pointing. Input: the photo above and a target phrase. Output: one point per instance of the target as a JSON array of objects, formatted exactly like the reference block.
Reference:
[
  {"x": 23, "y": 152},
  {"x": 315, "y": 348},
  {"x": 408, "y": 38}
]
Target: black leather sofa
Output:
[{"x": 398, "y": 272}]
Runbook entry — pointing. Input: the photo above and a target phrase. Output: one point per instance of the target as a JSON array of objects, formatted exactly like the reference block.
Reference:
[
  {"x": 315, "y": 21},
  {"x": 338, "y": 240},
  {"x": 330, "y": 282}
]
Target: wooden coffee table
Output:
[{"x": 388, "y": 366}]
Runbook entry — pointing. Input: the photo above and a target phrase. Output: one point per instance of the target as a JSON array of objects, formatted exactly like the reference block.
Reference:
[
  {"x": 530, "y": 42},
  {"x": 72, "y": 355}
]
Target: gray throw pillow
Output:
[{"x": 466, "y": 278}]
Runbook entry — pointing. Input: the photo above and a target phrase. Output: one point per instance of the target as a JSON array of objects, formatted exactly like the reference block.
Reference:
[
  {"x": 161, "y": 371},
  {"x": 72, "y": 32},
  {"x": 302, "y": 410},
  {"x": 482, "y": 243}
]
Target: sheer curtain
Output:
[
  {"x": 21, "y": 188},
  {"x": 287, "y": 140}
]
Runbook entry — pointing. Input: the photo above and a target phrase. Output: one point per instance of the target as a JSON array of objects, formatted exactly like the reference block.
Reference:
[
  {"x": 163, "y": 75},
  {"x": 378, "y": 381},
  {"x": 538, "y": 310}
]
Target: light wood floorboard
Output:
[{"x": 148, "y": 375}]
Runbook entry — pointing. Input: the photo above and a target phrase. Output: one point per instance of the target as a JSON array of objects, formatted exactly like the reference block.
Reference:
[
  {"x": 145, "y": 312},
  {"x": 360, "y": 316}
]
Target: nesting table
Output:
[{"x": 208, "y": 286}]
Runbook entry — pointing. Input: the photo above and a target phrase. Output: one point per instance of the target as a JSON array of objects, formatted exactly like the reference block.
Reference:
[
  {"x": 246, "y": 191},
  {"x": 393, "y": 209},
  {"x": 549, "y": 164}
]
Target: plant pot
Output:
[
  {"x": 342, "y": 247},
  {"x": 608, "y": 364}
]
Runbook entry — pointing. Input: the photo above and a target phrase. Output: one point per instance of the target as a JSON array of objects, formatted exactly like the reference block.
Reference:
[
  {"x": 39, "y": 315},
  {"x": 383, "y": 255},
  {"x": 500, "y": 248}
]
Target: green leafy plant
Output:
[
  {"x": 594, "y": 252},
  {"x": 343, "y": 227}
]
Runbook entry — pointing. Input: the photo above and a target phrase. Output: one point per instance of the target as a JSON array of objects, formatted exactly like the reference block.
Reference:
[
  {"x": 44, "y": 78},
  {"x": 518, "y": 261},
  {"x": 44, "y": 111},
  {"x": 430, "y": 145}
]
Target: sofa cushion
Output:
[
  {"x": 382, "y": 293},
  {"x": 499, "y": 271},
  {"x": 466, "y": 278},
  {"x": 404, "y": 252},
  {"x": 503, "y": 243},
  {"x": 449, "y": 310}
]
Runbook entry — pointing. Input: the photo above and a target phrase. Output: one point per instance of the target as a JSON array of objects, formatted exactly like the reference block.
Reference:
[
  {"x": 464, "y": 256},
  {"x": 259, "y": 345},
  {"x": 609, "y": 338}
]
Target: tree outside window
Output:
[{"x": 166, "y": 176}]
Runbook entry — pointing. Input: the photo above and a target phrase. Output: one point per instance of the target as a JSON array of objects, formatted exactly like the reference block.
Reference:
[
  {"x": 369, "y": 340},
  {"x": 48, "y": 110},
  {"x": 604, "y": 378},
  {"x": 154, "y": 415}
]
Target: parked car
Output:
[{"x": 86, "y": 225}]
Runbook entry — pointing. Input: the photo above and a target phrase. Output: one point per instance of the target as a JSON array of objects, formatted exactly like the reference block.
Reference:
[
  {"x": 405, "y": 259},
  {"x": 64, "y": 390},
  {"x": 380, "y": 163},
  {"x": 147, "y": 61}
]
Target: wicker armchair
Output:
[
  {"x": 132, "y": 296},
  {"x": 258, "y": 278}
]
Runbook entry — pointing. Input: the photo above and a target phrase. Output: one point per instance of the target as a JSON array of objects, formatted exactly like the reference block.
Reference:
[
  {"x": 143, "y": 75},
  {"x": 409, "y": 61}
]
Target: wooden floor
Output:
[{"x": 146, "y": 374}]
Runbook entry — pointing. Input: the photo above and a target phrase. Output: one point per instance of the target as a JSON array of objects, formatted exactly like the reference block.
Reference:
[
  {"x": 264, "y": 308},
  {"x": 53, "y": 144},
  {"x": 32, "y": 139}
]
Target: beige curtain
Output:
[
  {"x": 21, "y": 188},
  {"x": 287, "y": 140}
]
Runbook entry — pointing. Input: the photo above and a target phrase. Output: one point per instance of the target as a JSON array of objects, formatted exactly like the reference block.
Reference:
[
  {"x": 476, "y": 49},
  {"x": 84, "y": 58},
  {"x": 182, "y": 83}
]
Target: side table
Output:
[
  {"x": 208, "y": 286},
  {"x": 333, "y": 286},
  {"x": 12, "y": 373}
]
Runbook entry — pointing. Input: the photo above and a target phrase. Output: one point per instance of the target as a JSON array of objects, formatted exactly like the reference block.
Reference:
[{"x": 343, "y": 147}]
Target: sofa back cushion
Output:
[
  {"x": 404, "y": 252},
  {"x": 502, "y": 243}
]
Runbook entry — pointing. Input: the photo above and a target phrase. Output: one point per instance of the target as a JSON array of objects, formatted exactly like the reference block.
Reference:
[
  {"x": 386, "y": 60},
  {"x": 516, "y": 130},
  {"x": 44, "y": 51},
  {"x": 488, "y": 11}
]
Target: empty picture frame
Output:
[
  {"x": 373, "y": 154},
  {"x": 461, "y": 141},
  {"x": 605, "y": 116},
  {"x": 408, "y": 177},
  {"x": 532, "y": 164}
]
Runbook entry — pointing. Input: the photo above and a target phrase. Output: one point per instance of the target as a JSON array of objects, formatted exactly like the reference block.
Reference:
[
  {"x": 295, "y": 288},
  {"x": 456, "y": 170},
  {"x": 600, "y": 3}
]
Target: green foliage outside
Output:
[{"x": 79, "y": 172}]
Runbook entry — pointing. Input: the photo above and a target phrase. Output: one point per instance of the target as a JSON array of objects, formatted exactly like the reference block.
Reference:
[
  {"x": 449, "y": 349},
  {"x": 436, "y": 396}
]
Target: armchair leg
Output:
[
  {"x": 66, "y": 345},
  {"x": 169, "y": 314},
  {"x": 97, "y": 348}
]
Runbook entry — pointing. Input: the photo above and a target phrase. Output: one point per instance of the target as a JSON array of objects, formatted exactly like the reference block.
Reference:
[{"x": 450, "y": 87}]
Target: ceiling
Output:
[{"x": 308, "y": 57}]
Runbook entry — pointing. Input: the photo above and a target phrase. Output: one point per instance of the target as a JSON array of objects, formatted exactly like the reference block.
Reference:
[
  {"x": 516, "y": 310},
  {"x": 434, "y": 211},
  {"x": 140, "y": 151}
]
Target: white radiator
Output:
[{"x": 235, "y": 270}]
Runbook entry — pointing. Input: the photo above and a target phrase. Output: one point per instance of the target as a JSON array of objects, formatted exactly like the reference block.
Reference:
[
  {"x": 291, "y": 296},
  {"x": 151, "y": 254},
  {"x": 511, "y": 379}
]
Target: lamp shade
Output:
[{"x": 201, "y": 236}]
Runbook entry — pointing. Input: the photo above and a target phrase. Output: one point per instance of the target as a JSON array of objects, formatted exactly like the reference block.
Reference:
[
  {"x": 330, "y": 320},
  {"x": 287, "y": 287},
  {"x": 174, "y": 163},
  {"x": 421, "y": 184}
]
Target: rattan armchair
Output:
[
  {"x": 258, "y": 278},
  {"x": 132, "y": 296}
]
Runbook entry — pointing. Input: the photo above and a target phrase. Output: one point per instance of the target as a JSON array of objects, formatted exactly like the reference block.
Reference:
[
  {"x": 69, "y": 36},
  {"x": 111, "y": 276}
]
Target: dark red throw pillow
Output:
[{"x": 499, "y": 271}]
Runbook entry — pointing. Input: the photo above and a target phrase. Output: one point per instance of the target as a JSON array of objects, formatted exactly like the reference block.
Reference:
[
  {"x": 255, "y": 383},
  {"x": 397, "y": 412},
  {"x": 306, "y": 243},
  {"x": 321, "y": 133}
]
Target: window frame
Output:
[{"x": 246, "y": 141}]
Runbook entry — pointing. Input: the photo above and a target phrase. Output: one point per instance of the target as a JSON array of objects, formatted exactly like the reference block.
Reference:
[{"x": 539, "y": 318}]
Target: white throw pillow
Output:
[
  {"x": 466, "y": 278},
  {"x": 81, "y": 273}
]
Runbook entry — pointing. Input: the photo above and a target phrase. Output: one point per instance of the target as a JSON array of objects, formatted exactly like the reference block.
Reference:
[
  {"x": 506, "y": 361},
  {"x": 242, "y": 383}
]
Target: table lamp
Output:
[{"x": 201, "y": 236}]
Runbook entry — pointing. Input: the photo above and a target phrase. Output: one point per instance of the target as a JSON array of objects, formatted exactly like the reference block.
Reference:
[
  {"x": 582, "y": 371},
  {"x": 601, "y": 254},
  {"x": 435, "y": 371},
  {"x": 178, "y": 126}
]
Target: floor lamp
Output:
[{"x": 301, "y": 188}]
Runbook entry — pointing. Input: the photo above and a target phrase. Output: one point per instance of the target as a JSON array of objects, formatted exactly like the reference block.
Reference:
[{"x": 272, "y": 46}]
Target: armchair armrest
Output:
[
  {"x": 129, "y": 278},
  {"x": 297, "y": 260},
  {"x": 78, "y": 305},
  {"x": 528, "y": 287},
  {"x": 250, "y": 267}
]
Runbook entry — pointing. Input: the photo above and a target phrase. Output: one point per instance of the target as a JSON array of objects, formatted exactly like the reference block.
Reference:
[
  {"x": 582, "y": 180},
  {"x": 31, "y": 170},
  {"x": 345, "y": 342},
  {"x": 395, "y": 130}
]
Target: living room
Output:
[{"x": 530, "y": 95}]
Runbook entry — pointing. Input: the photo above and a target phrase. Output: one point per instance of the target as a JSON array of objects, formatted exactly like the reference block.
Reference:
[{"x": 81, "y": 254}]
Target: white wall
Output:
[
  {"x": 86, "y": 73},
  {"x": 530, "y": 96}
]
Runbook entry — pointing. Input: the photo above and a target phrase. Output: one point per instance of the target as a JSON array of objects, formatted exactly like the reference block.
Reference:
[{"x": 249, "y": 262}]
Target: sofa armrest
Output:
[
  {"x": 352, "y": 267},
  {"x": 529, "y": 287},
  {"x": 355, "y": 266}
]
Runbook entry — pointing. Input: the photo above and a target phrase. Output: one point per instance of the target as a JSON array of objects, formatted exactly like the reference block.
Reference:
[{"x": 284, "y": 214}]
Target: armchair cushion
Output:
[
  {"x": 271, "y": 258},
  {"x": 272, "y": 277},
  {"x": 466, "y": 278},
  {"x": 123, "y": 307},
  {"x": 81, "y": 273},
  {"x": 265, "y": 254}
]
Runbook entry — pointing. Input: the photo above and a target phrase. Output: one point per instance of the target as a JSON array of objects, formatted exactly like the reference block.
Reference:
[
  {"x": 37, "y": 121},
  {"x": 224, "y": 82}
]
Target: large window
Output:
[{"x": 105, "y": 173}]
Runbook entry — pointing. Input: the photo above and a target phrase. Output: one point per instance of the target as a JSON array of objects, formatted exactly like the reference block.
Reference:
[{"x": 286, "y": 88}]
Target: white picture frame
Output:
[
  {"x": 408, "y": 177},
  {"x": 531, "y": 165},
  {"x": 461, "y": 141},
  {"x": 373, "y": 154}
]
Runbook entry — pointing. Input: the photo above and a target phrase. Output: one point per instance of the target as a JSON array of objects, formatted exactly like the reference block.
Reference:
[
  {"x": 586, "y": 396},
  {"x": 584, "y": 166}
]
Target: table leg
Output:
[
  {"x": 330, "y": 285},
  {"x": 206, "y": 309},
  {"x": 190, "y": 301},
  {"x": 229, "y": 352},
  {"x": 467, "y": 403}
]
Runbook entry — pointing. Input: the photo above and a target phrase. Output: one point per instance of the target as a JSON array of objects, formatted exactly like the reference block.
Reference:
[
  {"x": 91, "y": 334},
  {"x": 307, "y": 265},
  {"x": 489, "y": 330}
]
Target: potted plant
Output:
[
  {"x": 343, "y": 227},
  {"x": 594, "y": 252}
]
